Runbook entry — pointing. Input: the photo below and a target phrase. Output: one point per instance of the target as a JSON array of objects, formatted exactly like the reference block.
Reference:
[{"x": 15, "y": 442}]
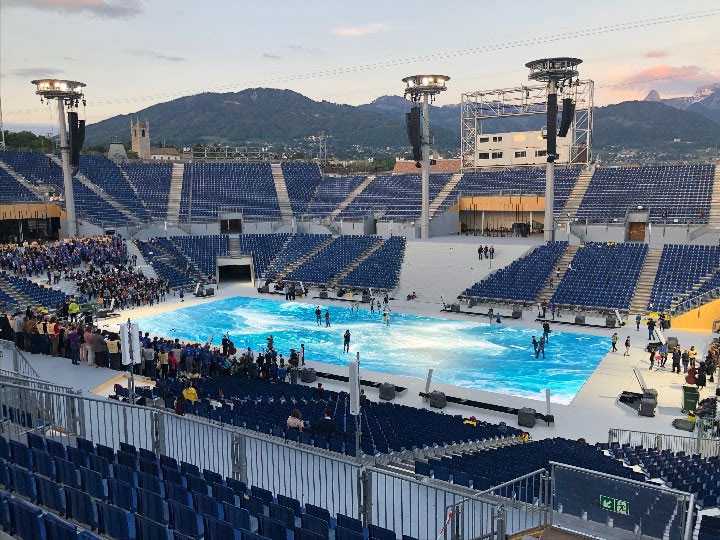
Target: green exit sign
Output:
[{"x": 617, "y": 506}]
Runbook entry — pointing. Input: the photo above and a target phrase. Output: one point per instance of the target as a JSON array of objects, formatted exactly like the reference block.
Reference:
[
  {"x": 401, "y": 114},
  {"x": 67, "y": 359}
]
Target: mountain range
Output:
[{"x": 286, "y": 118}]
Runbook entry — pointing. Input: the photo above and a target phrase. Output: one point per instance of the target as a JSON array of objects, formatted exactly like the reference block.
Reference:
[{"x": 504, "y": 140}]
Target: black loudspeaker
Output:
[
  {"x": 579, "y": 319},
  {"x": 647, "y": 406},
  {"x": 413, "y": 131},
  {"x": 324, "y": 295},
  {"x": 611, "y": 321},
  {"x": 438, "y": 399},
  {"x": 526, "y": 417},
  {"x": 672, "y": 342},
  {"x": 209, "y": 291},
  {"x": 76, "y": 139},
  {"x": 517, "y": 313},
  {"x": 566, "y": 120},
  {"x": 455, "y": 308},
  {"x": 551, "y": 127},
  {"x": 365, "y": 297},
  {"x": 264, "y": 289},
  {"x": 387, "y": 391},
  {"x": 308, "y": 375}
]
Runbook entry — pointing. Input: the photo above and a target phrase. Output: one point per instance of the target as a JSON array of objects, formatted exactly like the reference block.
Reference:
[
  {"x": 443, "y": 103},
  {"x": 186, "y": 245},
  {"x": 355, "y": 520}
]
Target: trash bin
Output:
[{"x": 691, "y": 397}]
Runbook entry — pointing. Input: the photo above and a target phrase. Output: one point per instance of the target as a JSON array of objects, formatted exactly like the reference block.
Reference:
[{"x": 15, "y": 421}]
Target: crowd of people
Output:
[
  {"x": 53, "y": 258},
  {"x": 119, "y": 286}
]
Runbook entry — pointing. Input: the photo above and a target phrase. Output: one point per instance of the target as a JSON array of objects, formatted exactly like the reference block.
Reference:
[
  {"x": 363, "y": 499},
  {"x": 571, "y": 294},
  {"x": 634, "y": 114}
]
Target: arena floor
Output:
[{"x": 590, "y": 414}]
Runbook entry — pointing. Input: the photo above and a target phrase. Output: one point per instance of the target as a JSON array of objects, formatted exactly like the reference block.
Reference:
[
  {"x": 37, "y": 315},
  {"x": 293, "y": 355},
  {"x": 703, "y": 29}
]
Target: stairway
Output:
[
  {"x": 234, "y": 249},
  {"x": 568, "y": 213},
  {"x": 22, "y": 180},
  {"x": 290, "y": 268},
  {"x": 351, "y": 197},
  {"x": 357, "y": 262},
  {"x": 101, "y": 193},
  {"x": 447, "y": 189},
  {"x": 643, "y": 288},
  {"x": 175, "y": 193},
  {"x": 282, "y": 193},
  {"x": 714, "y": 214},
  {"x": 552, "y": 283}
]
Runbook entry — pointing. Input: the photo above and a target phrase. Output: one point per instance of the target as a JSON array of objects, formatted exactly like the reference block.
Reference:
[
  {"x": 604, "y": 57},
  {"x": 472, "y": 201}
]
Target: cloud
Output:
[
  {"x": 657, "y": 53},
  {"x": 35, "y": 72},
  {"x": 154, "y": 55},
  {"x": 359, "y": 31},
  {"x": 669, "y": 80},
  {"x": 271, "y": 56},
  {"x": 112, "y": 9}
]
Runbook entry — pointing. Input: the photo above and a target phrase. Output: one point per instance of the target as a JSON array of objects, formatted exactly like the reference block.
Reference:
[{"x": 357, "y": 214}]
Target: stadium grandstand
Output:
[{"x": 254, "y": 348}]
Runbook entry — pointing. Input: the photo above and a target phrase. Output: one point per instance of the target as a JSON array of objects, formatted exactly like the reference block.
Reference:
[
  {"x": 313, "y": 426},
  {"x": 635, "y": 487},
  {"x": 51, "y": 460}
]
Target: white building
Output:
[{"x": 517, "y": 148}]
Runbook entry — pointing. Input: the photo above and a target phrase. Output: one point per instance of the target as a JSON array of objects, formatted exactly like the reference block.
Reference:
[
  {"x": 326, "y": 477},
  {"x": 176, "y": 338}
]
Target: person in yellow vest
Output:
[
  {"x": 190, "y": 394},
  {"x": 73, "y": 310}
]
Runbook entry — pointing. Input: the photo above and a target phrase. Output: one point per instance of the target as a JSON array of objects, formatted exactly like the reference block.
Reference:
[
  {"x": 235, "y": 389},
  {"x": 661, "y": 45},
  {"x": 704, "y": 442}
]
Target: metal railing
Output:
[
  {"x": 415, "y": 506},
  {"x": 675, "y": 443},
  {"x": 695, "y": 301},
  {"x": 611, "y": 507},
  {"x": 527, "y": 501},
  {"x": 13, "y": 357}
]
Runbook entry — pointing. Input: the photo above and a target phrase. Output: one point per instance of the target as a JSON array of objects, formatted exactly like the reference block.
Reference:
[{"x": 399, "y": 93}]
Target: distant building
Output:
[
  {"x": 405, "y": 166},
  {"x": 165, "y": 154},
  {"x": 116, "y": 152},
  {"x": 140, "y": 138},
  {"x": 517, "y": 148}
]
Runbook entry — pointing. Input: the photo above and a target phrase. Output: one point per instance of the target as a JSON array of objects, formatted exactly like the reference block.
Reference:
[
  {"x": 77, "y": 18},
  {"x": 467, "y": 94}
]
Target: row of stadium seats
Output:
[
  {"x": 209, "y": 188},
  {"x": 386, "y": 427},
  {"x": 107, "y": 175},
  {"x": 381, "y": 270},
  {"x": 523, "y": 279},
  {"x": 601, "y": 276},
  {"x": 152, "y": 184},
  {"x": 333, "y": 259},
  {"x": 673, "y": 192},
  {"x": 693, "y": 474},
  {"x": 682, "y": 268},
  {"x": 393, "y": 197},
  {"x": 21, "y": 292},
  {"x": 134, "y": 494},
  {"x": 484, "y": 469},
  {"x": 12, "y": 191},
  {"x": 294, "y": 249},
  {"x": 301, "y": 179}
]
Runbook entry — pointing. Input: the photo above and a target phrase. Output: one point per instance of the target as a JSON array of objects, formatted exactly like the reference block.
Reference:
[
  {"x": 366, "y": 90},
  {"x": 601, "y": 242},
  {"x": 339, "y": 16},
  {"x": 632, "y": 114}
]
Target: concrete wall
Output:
[
  {"x": 655, "y": 235},
  {"x": 446, "y": 223},
  {"x": 409, "y": 230},
  {"x": 353, "y": 227}
]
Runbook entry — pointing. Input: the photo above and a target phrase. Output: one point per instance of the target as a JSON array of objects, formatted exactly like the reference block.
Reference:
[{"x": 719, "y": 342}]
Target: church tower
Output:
[{"x": 140, "y": 138}]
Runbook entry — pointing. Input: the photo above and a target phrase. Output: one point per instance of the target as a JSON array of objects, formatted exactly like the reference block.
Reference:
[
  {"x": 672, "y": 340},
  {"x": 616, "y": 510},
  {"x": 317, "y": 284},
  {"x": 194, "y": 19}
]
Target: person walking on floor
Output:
[
  {"x": 627, "y": 346},
  {"x": 541, "y": 348},
  {"x": 638, "y": 320},
  {"x": 327, "y": 318},
  {"x": 676, "y": 360},
  {"x": 318, "y": 316},
  {"x": 614, "y": 340},
  {"x": 546, "y": 331},
  {"x": 346, "y": 341},
  {"x": 535, "y": 345}
]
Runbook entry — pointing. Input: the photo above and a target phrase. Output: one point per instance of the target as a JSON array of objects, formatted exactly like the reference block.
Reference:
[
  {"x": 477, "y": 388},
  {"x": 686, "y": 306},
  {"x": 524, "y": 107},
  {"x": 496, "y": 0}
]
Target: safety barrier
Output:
[
  {"x": 342, "y": 484},
  {"x": 674, "y": 443},
  {"x": 16, "y": 359}
]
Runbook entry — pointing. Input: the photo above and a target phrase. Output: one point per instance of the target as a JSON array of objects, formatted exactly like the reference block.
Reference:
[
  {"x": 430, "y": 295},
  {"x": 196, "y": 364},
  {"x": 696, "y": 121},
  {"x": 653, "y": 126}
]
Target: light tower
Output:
[
  {"x": 66, "y": 93},
  {"x": 555, "y": 72},
  {"x": 423, "y": 89}
]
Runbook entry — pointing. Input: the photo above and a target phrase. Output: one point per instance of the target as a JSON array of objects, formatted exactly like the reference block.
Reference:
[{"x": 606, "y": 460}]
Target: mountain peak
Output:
[{"x": 653, "y": 95}]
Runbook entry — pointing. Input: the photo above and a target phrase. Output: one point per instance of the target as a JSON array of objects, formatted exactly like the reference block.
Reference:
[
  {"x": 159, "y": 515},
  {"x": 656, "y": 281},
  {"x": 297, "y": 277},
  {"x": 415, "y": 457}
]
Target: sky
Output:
[{"x": 135, "y": 53}]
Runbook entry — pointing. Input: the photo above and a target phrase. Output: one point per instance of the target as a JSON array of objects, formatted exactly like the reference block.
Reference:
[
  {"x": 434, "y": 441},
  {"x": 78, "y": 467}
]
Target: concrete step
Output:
[
  {"x": 351, "y": 197},
  {"x": 357, "y": 262},
  {"x": 574, "y": 200},
  {"x": 439, "y": 199},
  {"x": 645, "y": 282},
  {"x": 175, "y": 193},
  {"x": 553, "y": 281},
  {"x": 282, "y": 193}
]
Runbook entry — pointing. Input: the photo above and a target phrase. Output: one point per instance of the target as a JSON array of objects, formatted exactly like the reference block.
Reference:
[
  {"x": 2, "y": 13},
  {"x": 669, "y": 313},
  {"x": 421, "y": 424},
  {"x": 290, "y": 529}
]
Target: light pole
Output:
[
  {"x": 423, "y": 89},
  {"x": 555, "y": 72},
  {"x": 66, "y": 93}
]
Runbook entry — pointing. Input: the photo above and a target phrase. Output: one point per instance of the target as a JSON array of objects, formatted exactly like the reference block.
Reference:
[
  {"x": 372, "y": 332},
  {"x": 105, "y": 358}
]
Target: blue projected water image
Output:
[{"x": 466, "y": 353}]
